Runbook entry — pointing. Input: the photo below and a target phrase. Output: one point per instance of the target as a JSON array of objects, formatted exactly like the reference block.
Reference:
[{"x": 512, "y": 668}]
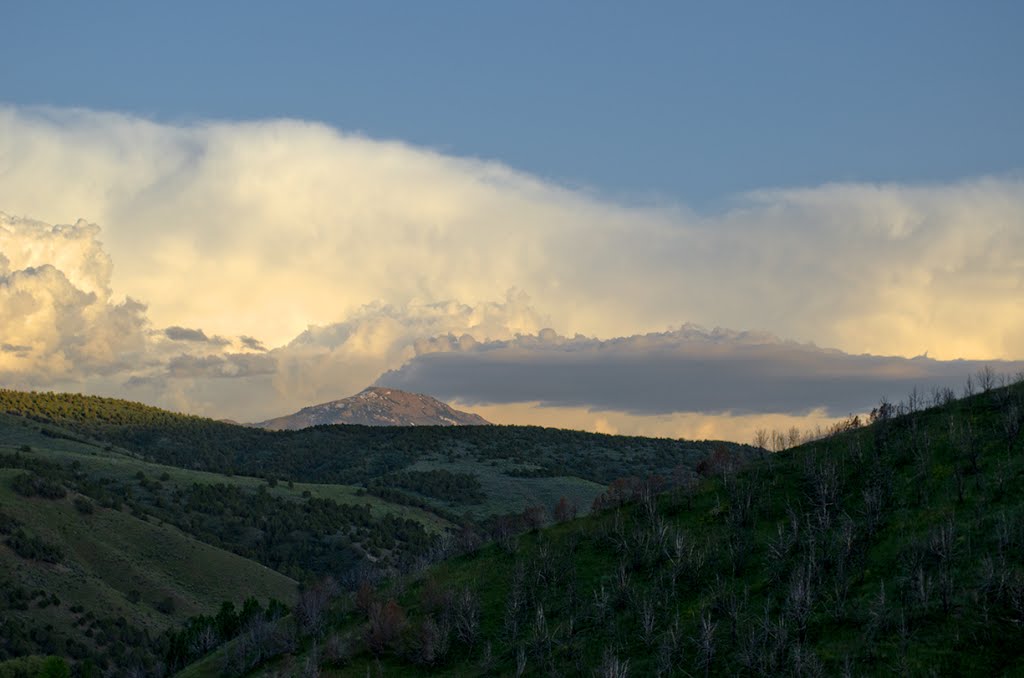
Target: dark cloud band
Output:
[{"x": 685, "y": 371}]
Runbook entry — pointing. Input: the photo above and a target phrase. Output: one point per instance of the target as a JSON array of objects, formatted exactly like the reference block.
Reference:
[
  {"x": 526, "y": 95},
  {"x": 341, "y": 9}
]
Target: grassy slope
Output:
[
  {"x": 108, "y": 554},
  {"x": 509, "y": 494},
  {"x": 933, "y": 584},
  {"x": 113, "y": 462}
]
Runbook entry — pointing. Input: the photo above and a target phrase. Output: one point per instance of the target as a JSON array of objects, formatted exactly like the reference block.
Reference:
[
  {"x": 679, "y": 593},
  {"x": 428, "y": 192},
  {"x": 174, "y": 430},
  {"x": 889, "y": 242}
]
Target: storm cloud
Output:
[
  {"x": 264, "y": 228},
  {"x": 688, "y": 370}
]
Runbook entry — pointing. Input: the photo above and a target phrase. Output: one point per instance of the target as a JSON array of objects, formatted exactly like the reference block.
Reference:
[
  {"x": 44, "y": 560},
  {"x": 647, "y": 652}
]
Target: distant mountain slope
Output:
[
  {"x": 355, "y": 454},
  {"x": 376, "y": 406}
]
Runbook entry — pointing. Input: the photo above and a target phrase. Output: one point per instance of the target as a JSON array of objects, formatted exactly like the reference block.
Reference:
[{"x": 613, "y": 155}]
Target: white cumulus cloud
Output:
[{"x": 262, "y": 228}]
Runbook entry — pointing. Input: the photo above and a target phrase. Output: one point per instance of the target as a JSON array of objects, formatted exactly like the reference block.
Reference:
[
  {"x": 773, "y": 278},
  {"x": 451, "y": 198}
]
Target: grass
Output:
[
  {"x": 109, "y": 554},
  {"x": 511, "y": 494},
  {"x": 105, "y": 460}
]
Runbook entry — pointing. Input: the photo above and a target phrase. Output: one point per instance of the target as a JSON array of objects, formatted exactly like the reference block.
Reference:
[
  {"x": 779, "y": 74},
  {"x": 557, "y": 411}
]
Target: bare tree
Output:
[
  {"x": 514, "y": 604},
  {"x": 969, "y": 387},
  {"x": 534, "y": 517},
  {"x": 800, "y": 600},
  {"x": 878, "y": 612},
  {"x": 431, "y": 641},
  {"x": 825, "y": 488},
  {"x": 564, "y": 510},
  {"x": 386, "y": 623},
  {"x": 706, "y": 643},
  {"x": 312, "y": 607},
  {"x": 259, "y": 639},
  {"x": 520, "y": 661},
  {"x": 466, "y": 617},
  {"x": 541, "y": 645},
  {"x": 986, "y": 379},
  {"x": 204, "y": 641},
  {"x": 612, "y": 667},
  {"x": 648, "y": 618},
  {"x": 336, "y": 650},
  {"x": 668, "y": 650},
  {"x": 505, "y": 534},
  {"x": 487, "y": 659},
  {"x": 365, "y": 596}
]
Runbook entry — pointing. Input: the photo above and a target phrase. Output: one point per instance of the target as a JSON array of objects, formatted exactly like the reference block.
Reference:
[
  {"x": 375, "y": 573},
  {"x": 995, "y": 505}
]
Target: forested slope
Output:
[{"x": 893, "y": 549}]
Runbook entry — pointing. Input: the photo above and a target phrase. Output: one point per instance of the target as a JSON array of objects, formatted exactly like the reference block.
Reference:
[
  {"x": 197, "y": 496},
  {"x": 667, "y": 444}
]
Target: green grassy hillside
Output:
[
  {"x": 893, "y": 549},
  {"x": 82, "y": 581},
  {"x": 357, "y": 455},
  {"x": 105, "y": 460}
]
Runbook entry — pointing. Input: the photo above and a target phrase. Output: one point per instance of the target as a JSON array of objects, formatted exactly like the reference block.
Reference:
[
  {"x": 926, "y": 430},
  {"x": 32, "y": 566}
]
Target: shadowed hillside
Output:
[{"x": 892, "y": 549}]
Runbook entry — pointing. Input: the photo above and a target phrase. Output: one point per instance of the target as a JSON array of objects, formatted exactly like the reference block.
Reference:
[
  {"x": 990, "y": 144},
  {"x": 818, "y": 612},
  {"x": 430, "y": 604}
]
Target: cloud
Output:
[
  {"x": 690, "y": 370},
  {"x": 689, "y": 425},
  {"x": 185, "y": 334},
  {"x": 176, "y": 333},
  {"x": 232, "y": 365},
  {"x": 263, "y": 228},
  {"x": 61, "y": 323},
  {"x": 340, "y": 359},
  {"x": 252, "y": 343},
  {"x": 350, "y": 257}
]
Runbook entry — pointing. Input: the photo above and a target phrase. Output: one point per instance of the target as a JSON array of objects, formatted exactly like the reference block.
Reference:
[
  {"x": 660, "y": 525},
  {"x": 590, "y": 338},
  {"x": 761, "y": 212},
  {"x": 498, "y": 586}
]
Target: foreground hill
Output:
[
  {"x": 88, "y": 581},
  {"x": 892, "y": 549},
  {"x": 376, "y": 406}
]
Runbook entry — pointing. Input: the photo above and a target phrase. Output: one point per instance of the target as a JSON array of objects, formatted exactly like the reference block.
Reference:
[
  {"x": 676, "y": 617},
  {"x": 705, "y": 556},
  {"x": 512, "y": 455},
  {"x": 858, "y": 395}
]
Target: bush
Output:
[
  {"x": 33, "y": 548},
  {"x": 32, "y": 485},
  {"x": 8, "y": 524},
  {"x": 166, "y": 606},
  {"x": 83, "y": 505}
]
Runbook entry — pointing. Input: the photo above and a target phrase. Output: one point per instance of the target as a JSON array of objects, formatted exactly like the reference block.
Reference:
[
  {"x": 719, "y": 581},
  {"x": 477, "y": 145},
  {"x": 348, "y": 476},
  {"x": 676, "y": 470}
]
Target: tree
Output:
[
  {"x": 387, "y": 622},
  {"x": 564, "y": 510},
  {"x": 533, "y": 517},
  {"x": 313, "y": 603}
]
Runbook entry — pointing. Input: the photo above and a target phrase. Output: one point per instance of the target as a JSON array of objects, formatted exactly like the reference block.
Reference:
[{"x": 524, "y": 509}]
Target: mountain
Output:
[{"x": 376, "y": 406}]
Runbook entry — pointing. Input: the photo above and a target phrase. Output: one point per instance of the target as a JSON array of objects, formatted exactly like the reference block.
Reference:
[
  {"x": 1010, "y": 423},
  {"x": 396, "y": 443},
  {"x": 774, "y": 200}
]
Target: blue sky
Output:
[{"x": 640, "y": 102}]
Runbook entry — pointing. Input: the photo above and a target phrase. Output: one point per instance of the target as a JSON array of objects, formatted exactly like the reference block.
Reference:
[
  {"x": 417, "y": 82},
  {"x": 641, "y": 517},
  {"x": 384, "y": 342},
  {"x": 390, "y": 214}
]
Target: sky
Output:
[{"x": 664, "y": 218}]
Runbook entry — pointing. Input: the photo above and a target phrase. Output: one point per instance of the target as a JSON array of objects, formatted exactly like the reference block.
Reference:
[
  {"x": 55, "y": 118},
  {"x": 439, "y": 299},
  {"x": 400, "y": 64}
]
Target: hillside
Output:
[
  {"x": 376, "y": 406},
  {"x": 449, "y": 470},
  {"x": 179, "y": 514},
  {"x": 895, "y": 548},
  {"x": 82, "y": 580}
]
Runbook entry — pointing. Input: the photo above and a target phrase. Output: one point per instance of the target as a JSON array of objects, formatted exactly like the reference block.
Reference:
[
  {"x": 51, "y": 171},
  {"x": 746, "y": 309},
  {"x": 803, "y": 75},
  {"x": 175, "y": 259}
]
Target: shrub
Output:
[{"x": 32, "y": 485}]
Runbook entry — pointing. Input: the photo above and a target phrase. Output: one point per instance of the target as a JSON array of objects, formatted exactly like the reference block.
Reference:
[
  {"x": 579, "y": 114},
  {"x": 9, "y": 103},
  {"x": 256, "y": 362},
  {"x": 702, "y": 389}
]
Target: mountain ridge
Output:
[{"x": 377, "y": 406}]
